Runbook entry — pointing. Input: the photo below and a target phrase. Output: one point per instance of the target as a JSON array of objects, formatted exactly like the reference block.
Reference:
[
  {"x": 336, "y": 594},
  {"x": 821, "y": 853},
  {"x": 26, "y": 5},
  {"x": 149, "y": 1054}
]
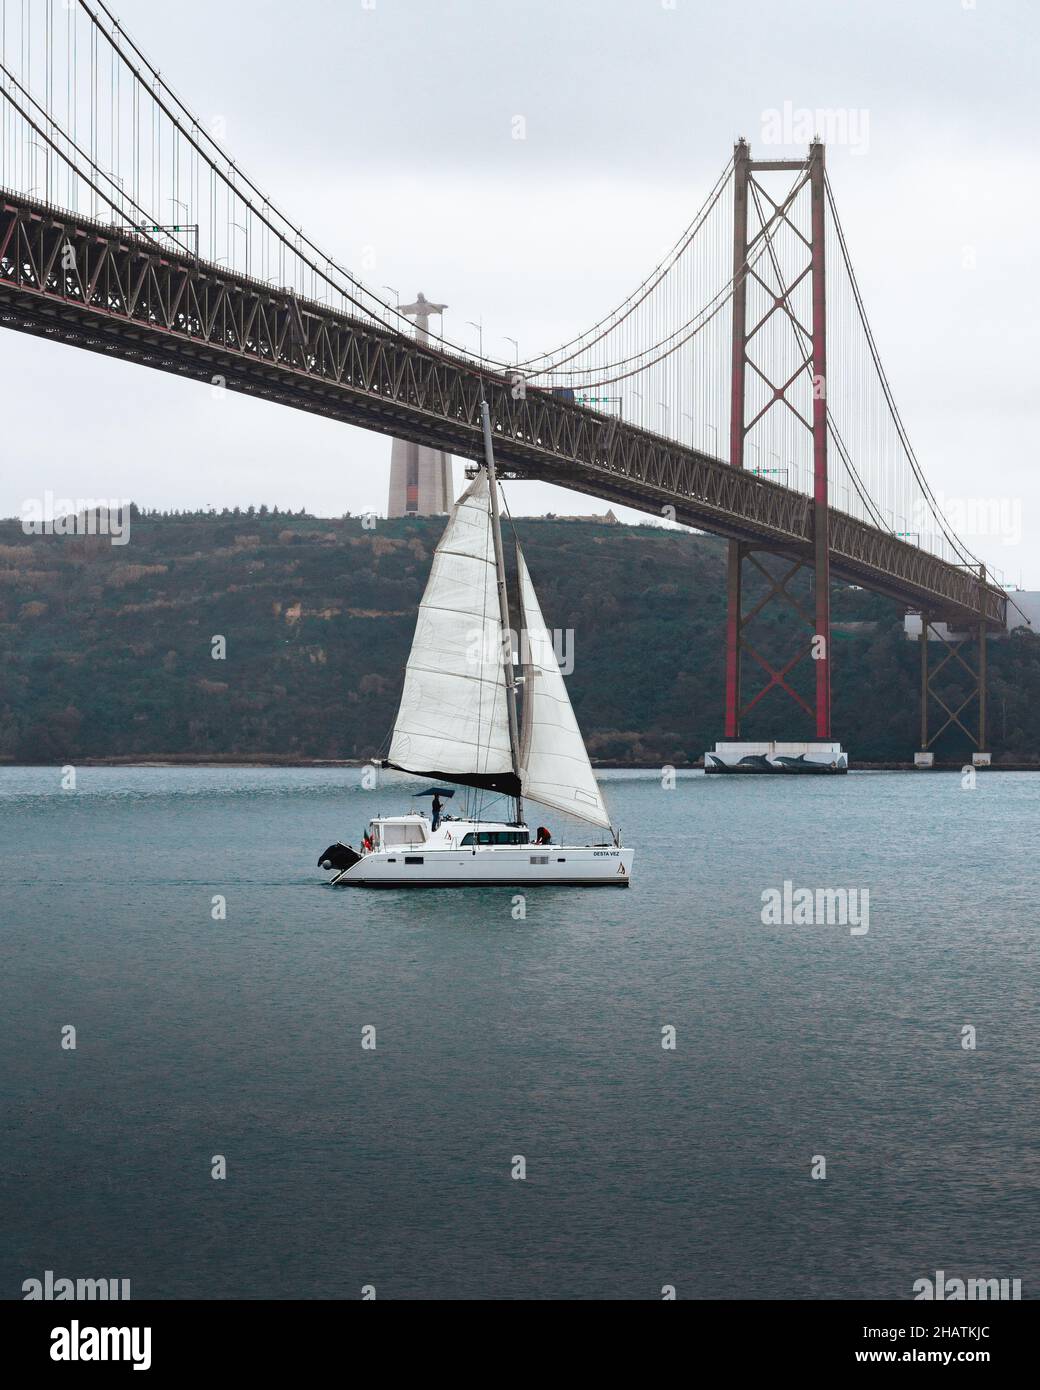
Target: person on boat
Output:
[
  {"x": 544, "y": 836},
  {"x": 436, "y": 810}
]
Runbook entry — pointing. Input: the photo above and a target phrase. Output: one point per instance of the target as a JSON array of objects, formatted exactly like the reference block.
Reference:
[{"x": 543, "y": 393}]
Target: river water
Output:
[{"x": 500, "y": 1040}]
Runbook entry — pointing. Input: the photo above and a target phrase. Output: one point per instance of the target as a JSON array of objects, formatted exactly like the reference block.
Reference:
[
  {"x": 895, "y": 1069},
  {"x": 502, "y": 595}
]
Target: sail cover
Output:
[
  {"x": 555, "y": 768},
  {"x": 452, "y": 723}
]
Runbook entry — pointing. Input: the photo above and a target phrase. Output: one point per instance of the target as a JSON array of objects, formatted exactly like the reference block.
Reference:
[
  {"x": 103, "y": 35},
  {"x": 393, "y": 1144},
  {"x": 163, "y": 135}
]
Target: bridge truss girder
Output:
[{"x": 128, "y": 298}]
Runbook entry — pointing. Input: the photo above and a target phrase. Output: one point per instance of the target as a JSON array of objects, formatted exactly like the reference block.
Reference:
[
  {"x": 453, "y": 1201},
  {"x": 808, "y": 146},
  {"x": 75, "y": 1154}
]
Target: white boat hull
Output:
[{"x": 520, "y": 866}]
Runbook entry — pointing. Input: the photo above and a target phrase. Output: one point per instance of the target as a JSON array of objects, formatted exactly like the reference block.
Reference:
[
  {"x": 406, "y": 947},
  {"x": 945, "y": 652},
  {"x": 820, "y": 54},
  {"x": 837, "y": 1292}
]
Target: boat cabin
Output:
[
  {"x": 399, "y": 832},
  {"x": 413, "y": 829}
]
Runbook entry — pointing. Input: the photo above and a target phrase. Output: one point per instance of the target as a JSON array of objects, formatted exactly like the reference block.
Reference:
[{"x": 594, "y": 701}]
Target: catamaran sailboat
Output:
[{"x": 461, "y": 721}]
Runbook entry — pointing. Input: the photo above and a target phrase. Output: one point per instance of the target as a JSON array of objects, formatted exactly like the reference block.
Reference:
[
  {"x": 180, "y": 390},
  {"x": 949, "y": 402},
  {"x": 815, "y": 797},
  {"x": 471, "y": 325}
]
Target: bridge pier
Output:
[
  {"x": 954, "y": 642},
  {"x": 810, "y": 754},
  {"x": 820, "y": 753},
  {"x": 734, "y": 626}
]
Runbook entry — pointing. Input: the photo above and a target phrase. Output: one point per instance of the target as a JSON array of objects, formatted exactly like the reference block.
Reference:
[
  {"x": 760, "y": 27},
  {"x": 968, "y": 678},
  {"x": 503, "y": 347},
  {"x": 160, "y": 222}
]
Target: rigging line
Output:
[
  {"x": 521, "y": 633},
  {"x": 509, "y": 518},
  {"x": 959, "y": 547},
  {"x": 488, "y": 541},
  {"x": 480, "y": 791},
  {"x": 48, "y": 68}
]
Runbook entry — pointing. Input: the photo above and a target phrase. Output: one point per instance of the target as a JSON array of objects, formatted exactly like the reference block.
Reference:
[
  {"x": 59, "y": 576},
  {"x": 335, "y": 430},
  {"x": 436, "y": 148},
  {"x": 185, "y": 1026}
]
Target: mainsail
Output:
[
  {"x": 453, "y": 720},
  {"x": 555, "y": 766}
]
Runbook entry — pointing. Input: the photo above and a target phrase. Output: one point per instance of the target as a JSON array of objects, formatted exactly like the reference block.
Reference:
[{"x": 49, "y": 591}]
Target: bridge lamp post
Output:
[
  {"x": 715, "y": 432},
  {"x": 36, "y": 145},
  {"x": 178, "y": 203},
  {"x": 114, "y": 178},
  {"x": 480, "y": 335},
  {"x": 516, "y": 347},
  {"x": 245, "y": 232},
  {"x": 397, "y": 301},
  {"x": 667, "y": 411},
  {"x": 330, "y": 284}
]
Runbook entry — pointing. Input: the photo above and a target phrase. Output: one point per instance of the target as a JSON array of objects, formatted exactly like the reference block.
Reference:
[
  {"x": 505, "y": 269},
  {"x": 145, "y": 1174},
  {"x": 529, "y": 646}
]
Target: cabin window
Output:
[
  {"x": 539, "y": 859},
  {"x": 413, "y": 859},
  {"x": 497, "y": 837},
  {"x": 395, "y": 836}
]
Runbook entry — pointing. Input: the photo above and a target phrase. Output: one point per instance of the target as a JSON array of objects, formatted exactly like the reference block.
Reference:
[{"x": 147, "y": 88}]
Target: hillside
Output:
[{"x": 105, "y": 651}]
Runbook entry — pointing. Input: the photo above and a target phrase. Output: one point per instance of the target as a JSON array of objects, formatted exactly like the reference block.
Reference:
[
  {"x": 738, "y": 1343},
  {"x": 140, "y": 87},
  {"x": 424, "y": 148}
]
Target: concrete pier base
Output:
[{"x": 777, "y": 756}]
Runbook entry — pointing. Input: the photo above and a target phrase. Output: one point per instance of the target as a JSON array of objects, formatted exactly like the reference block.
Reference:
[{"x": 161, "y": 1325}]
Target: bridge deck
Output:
[{"x": 126, "y": 297}]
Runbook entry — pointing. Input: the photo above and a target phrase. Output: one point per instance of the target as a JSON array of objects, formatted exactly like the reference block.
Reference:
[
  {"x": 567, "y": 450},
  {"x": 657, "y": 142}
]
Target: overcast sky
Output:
[{"x": 388, "y": 124}]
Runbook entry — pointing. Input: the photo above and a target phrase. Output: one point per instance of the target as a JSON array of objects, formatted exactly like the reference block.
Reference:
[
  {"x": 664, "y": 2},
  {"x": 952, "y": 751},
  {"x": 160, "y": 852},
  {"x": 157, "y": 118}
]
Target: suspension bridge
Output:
[{"x": 737, "y": 389}]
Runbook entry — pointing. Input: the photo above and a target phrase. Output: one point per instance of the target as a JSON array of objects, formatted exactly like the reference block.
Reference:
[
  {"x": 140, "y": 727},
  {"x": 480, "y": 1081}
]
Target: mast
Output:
[{"x": 503, "y": 603}]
